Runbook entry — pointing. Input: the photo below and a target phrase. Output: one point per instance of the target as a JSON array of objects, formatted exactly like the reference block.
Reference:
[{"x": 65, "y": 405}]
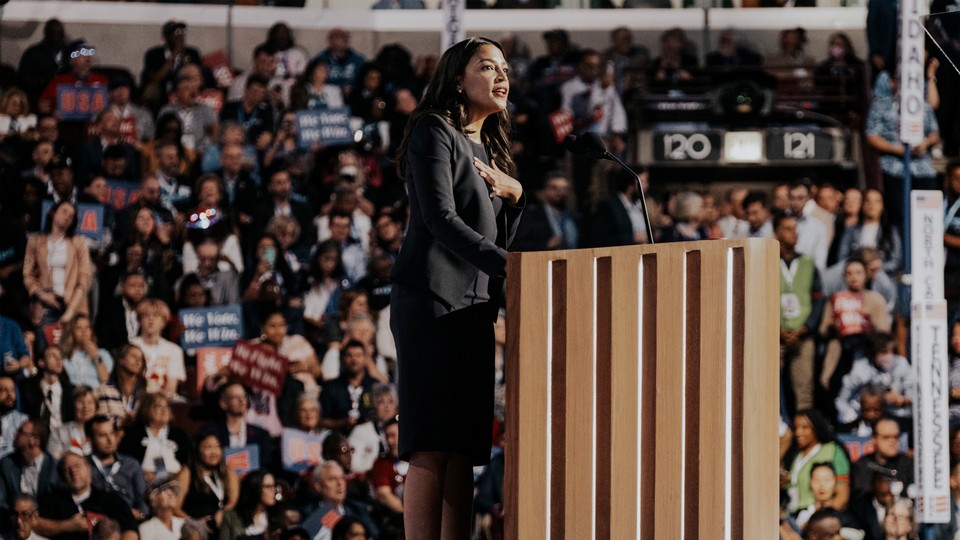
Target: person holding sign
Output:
[{"x": 464, "y": 211}]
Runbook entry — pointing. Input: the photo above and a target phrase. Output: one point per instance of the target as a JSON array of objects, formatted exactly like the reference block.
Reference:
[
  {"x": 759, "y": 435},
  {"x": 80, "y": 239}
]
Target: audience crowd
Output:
[{"x": 191, "y": 187}]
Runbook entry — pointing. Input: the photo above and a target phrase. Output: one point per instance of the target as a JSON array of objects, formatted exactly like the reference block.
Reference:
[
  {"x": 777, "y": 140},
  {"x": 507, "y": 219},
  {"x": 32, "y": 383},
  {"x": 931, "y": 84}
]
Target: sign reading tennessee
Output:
[
  {"x": 80, "y": 102},
  {"x": 258, "y": 366}
]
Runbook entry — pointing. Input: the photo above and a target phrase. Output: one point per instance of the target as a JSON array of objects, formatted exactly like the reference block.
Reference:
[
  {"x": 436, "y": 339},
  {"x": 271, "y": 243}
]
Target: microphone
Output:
[{"x": 591, "y": 145}]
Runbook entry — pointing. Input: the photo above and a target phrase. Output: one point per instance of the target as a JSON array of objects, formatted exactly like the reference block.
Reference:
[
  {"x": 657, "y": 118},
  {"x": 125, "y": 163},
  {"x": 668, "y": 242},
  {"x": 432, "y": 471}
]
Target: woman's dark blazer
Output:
[{"x": 453, "y": 229}]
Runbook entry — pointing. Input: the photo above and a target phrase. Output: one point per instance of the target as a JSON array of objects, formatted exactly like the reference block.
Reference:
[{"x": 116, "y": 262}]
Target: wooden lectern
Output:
[{"x": 643, "y": 392}]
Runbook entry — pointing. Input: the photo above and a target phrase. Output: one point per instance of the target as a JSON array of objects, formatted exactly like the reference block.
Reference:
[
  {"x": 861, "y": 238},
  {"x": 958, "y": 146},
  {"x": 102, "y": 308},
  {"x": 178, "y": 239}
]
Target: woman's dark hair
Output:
[
  {"x": 251, "y": 488},
  {"x": 341, "y": 531},
  {"x": 821, "y": 428},
  {"x": 887, "y": 229},
  {"x": 189, "y": 280},
  {"x": 441, "y": 97},
  {"x": 823, "y": 465},
  {"x": 143, "y": 411},
  {"x": 198, "y": 470},
  {"x": 162, "y": 122},
  {"x": 316, "y": 274},
  {"x": 272, "y": 36},
  {"x": 848, "y": 50},
  {"x": 876, "y": 343},
  {"x": 71, "y": 229}
]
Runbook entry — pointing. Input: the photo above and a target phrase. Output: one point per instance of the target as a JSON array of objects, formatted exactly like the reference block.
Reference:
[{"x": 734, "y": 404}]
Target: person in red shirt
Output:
[
  {"x": 80, "y": 55},
  {"x": 388, "y": 475}
]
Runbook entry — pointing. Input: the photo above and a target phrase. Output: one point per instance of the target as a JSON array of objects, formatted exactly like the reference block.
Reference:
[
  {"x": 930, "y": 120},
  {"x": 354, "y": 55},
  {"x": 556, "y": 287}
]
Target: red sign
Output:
[
  {"x": 258, "y": 366},
  {"x": 209, "y": 362},
  {"x": 53, "y": 332},
  {"x": 848, "y": 313},
  {"x": 561, "y": 122},
  {"x": 219, "y": 65}
]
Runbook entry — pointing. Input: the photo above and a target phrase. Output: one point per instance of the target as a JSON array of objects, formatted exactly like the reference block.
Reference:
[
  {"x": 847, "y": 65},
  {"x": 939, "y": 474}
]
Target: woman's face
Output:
[
  {"x": 159, "y": 413},
  {"x": 210, "y": 452},
  {"x": 263, "y": 244},
  {"x": 308, "y": 416},
  {"x": 81, "y": 331},
  {"x": 328, "y": 262},
  {"x": 269, "y": 489},
  {"x": 319, "y": 75},
  {"x": 195, "y": 296},
  {"x": 359, "y": 306},
  {"x": 852, "y": 202},
  {"x": 64, "y": 216},
  {"x": 363, "y": 331},
  {"x": 15, "y": 106},
  {"x": 233, "y": 135},
  {"x": 210, "y": 195},
  {"x": 822, "y": 483},
  {"x": 144, "y": 222},
  {"x": 371, "y": 81},
  {"x": 873, "y": 204},
  {"x": 855, "y": 276},
  {"x": 275, "y": 329},
  {"x": 485, "y": 83},
  {"x": 133, "y": 361},
  {"x": 84, "y": 408},
  {"x": 803, "y": 432}
]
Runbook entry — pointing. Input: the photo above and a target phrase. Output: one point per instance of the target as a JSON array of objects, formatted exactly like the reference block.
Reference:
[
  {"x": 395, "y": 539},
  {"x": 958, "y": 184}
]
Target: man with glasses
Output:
[
  {"x": 29, "y": 470},
  {"x": 24, "y": 518},
  {"x": 71, "y": 512},
  {"x": 335, "y": 504},
  {"x": 115, "y": 472}
]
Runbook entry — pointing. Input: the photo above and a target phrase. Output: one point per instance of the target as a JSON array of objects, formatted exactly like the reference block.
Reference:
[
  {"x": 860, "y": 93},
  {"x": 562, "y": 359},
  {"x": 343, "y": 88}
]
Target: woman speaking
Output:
[{"x": 464, "y": 211}]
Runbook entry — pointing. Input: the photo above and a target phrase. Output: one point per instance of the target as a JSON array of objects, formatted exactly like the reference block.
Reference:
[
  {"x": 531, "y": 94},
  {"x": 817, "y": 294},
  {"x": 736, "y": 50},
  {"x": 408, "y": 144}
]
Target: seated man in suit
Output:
[
  {"x": 334, "y": 504},
  {"x": 618, "y": 219},
  {"x": 234, "y": 431},
  {"x": 280, "y": 203},
  {"x": 46, "y": 395},
  {"x": 29, "y": 470},
  {"x": 71, "y": 512},
  {"x": 549, "y": 223},
  {"x": 348, "y": 400}
]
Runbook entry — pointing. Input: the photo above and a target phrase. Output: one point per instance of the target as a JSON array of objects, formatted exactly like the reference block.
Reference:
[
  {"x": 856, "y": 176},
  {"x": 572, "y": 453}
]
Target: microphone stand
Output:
[{"x": 643, "y": 197}]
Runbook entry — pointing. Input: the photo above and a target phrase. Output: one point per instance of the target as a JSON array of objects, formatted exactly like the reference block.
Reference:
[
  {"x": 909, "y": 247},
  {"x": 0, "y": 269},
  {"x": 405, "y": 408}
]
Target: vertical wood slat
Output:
[
  {"x": 527, "y": 390},
  {"x": 648, "y": 381},
  {"x": 691, "y": 393},
  {"x": 713, "y": 391},
  {"x": 624, "y": 395},
  {"x": 558, "y": 401},
  {"x": 604, "y": 397},
  {"x": 669, "y": 395},
  {"x": 652, "y": 313},
  {"x": 760, "y": 360},
  {"x": 580, "y": 371}
]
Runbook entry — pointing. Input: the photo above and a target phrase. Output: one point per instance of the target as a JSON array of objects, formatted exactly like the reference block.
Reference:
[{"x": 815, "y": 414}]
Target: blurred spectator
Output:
[
  {"x": 198, "y": 120},
  {"x": 10, "y": 418},
  {"x": 731, "y": 52},
  {"x": 686, "y": 219},
  {"x": 848, "y": 318},
  {"x": 89, "y": 157},
  {"x": 113, "y": 472},
  {"x": 130, "y": 114},
  {"x": 209, "y": 220},
  {"x": 264, "y": 69},
  {"x": 312, "y": 91},
  {"x": 676, "y": 63},
  {"x": 169, "y": 131},
  {"x": 951, "y": 235},
  {"x": 756, "y": 207},
  {"x": 15, "y": 117},
  {"x": 13, "y": 347},
  {"x": 343, "y": 61},
  {"x": 359, "y": 328},
  {"x": 162, "y": 63},
  {"x": 220, "y": 285},
  {"x": 208, "y": 488},
  {"x": 165, "y": 367},
  {"x": 233, "y": 431},
  {"x": 159, "y": 447},
  {"x": 121, "y": 396},
  {"x": 623, "y": 54},
  {"x": 57, "y": 271},
  {"x": 23, "y": 515},
  {"x": 118, "y": 321},
  {"x": 253, "y": 110},
  {"x": 847, "y": 217},
  {"x": 307, "y": 416},
  {"x": 824, "y": 524},
  {"x": 46, "y": 395},
  {"x": 368, "y": 98},
  {"x": 811, "y": 234},
  {"x": 880, "y": 366},
  {"x": 883, "y": 135},
  {"x": 71, "y": 437},
  {"x": 871, "y": 410},
  {"x": 825, "y": 209},
  {"x": 41, "y": 61},
  {"x": 733, "y": 222},
  {"x": 877, "y": 280},
  {"x": 165, "y": 524},
  {"x": 334, "y": 504},
  {"x": 86, "y": 364},
  {"x": 618, "y": 219},
  {"x": 240, "y": 190},
  {"x": 326, "y": 283},
  {"x": 881, "y": 30},
  {"x": 231, "y": 132},
  {"x": 347, "y": 400},
  {"x": 387, "y": 478},
  {"x": 368, "y": 439},
  {"x": 886, "y": 456},
  {"x": 791, "y": 60},
  {"x": 874, "y": 231},
  {"x": 548, "y": 222},
  {"x": 814, "y": 443},
  {"x": 78, "y": 57},
  {"x": 258, "y": 495},
  {"x": 801, "y": 308},
  {"x": 28, "y": 470},
  {"x": 64, "y": 512},
  {"x": 349, "y": 528},
  {"x": 353, "y": 255},
  {"x": 843, "y": 70},
  {"x": 291, "y": 58},
  {"x": 869, "y": 509},
  {"x": 823, "y": 484}
]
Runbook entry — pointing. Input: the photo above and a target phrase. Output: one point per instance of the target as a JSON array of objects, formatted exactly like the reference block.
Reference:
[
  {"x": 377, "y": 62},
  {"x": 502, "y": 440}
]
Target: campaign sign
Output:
[
  {"x": 858, "y": 446},
  {"x": 120, "y": 194},
  {"x": 258, "y": 366},
  {"x": 210, "y": 327},
  {"x": 80, "y": 102},
  {"x": 209, "y": 361},
  {"x": 89, "y": 219},
  {"x": 242, "y": 459},
  {"x": 53, "y": 332},
  {"x": 300, "y": 450},
  {"x": 329, "y": 127}
]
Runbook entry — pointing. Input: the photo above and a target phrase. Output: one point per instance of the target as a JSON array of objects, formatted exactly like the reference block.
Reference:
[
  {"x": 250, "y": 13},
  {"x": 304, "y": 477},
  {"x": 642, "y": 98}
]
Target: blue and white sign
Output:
[
  {"x": 211, "y": 327},
  {"x": 329, "y": 127}
]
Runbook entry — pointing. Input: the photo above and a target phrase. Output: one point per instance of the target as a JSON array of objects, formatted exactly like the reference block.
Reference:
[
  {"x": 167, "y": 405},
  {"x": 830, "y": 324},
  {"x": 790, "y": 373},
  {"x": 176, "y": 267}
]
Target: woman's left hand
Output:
[{"x": 504, "y": 185}]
